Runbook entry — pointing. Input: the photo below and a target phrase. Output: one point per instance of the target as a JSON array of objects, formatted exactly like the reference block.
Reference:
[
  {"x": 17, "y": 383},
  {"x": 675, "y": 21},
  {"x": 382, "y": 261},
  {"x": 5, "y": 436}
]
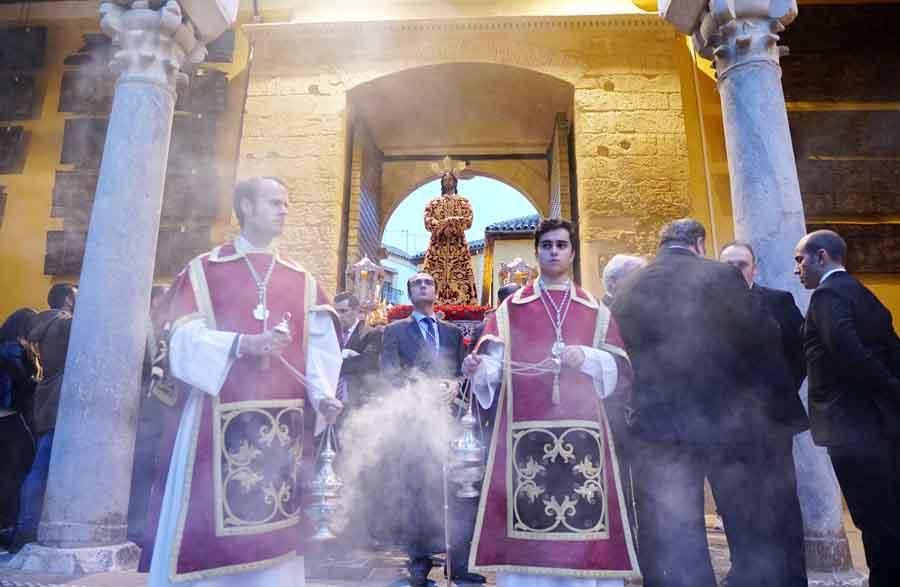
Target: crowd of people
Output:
[
  {"x": 33, "y": 348},
  {"x": 603, "y": 418}
]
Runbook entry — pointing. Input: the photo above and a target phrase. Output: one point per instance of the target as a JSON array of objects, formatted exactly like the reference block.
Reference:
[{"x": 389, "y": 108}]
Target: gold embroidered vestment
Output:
[{"x": 447, "y": 259}]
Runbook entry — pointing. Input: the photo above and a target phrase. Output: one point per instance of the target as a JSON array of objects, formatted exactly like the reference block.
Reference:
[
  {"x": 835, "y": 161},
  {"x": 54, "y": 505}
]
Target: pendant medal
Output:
[
  {"x": 260, "y": 312},
  {"x": 557, "y": 349}
]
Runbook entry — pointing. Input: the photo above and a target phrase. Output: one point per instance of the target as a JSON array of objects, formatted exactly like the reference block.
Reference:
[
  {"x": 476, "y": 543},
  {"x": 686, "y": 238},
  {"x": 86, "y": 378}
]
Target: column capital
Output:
[
  {"x": 733, "y": 32},
  {"x": 153, "y": 41}
]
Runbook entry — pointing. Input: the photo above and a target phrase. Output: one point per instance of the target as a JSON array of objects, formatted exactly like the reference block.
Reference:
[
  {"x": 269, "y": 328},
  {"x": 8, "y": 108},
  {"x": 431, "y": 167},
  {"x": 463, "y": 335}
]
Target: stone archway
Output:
[
  {"x": 502, "y": 120},
  {"x": 404, "y": 237},
  {"x": 624, "y": 127},
  {"x": 528, "y": 177}
]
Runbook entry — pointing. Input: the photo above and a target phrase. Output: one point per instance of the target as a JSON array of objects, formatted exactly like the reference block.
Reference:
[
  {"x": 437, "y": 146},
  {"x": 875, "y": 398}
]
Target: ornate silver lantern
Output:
[
  {"x": 324, "y": 489},
  {"x": 467, "y": 456},
  {"x": 517, "y": 271},
  {"x": 365, "y": 279}
]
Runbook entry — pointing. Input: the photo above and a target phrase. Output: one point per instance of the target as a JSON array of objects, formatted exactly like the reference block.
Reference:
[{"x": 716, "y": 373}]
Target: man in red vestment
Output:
[
  {"x": 552, "y": 513},
  {"x": 253, "y": 343}
]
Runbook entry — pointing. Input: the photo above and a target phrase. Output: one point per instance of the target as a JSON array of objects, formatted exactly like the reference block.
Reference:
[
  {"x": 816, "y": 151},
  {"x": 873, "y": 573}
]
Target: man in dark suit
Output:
[
  {"x": 361, "y": 351},
  {"x": 422, "y": 344},
  {"x": 695, "y": 338},
  {"x": 853, "y": 362},
  {"x": 780, "y": 525},
  {"x": 423, "y": 348},
  {"x": 616, "y": 271}
]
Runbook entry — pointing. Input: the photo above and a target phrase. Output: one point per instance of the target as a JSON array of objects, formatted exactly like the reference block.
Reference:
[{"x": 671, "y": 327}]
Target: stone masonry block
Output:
[
  {"x": 672, "y": 145},
  {"x": 646, "y": 82},
  {"x": 599, "y": 100},
  {"x": 311, "y": 169},
  {"x": 300, "y": 106},
  {"x": 596, "y": 122},
  {"x": 289, "y": 148},
  {"x": 675, "y": 101},
  {"x": 616, "y": 144},
  {"x": 661, "y": 122},
  {"x": 317, "y": 84},
  {"x": 664, "y": 62}
]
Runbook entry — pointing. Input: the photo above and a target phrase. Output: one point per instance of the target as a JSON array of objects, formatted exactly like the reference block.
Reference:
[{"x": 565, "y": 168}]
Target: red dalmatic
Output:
[
  {"x": 241, "y": 500},
  {"x": 552, "y": 500}
]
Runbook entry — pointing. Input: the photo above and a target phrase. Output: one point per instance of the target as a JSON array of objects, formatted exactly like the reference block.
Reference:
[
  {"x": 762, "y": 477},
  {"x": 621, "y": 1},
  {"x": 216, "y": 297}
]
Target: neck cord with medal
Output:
[
  {"x": 261, "y": 312},
  {"x": 557, "y": 318}
]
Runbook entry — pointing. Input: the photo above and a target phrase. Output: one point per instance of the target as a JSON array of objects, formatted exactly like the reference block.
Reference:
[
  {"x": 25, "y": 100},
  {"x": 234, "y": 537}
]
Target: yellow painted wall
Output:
[
  {"x": 478, "y": 270},
  {"x": 30, "y": 193}
]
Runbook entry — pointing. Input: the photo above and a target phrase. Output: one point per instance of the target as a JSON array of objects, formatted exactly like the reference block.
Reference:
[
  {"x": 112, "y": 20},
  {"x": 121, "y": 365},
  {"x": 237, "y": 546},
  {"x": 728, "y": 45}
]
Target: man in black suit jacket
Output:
[
  {"x": 419, "y": 348},
  {"x": 696, "y": 339},
  {"x": 422, "y": 344},
  {"x": 853, "y": 362},
  {"x": 780, "y": 525},
  {"x": 613, "y": 275},
  {"x": 361, "y": 351}
]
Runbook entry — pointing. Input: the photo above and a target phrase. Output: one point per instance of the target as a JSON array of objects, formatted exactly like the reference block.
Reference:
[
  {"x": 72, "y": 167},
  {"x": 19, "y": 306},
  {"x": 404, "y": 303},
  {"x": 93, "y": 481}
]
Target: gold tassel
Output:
[{"x": 556, "y": 390}]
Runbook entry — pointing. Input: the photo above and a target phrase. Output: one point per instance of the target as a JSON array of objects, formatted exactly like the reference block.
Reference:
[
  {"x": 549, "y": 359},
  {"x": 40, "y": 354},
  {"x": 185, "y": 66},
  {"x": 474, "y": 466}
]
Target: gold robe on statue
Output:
[{"x": 447, "y": 259}]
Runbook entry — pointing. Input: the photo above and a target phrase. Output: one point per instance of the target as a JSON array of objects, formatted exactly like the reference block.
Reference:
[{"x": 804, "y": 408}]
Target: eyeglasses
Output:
[{"x": 420, "y": 282}]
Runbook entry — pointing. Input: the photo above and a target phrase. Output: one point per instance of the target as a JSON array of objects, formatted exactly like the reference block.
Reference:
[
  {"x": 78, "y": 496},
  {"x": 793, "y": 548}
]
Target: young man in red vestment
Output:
[
  {"x": 552, "y": 512},
  {"x": 253, "y": 343}
]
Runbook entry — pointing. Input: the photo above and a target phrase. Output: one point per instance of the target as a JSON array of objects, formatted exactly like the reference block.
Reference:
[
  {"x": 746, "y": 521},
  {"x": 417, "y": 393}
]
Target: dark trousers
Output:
[
  {"x": 18, "y": 454},
  {"x": 461, "y": 520},
  {"x": 622, "y": 442},
  {"x": 145, "y": 470},
  {"x": 31, "y": 498},
  {"x": 868, "y": 475},
  {"x": 668, "y": 486},
  {"x": 767, "y": 547}
]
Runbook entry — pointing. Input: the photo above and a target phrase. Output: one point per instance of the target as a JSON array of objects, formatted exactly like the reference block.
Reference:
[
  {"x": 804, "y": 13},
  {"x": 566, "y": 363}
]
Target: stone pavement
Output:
[
  {"x": 353, "y": 567},
  {"x": 340, "y": 568}
]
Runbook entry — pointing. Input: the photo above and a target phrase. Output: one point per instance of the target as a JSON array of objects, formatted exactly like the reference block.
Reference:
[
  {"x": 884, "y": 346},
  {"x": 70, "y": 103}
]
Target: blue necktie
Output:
[{"x": 430, "y": 334}]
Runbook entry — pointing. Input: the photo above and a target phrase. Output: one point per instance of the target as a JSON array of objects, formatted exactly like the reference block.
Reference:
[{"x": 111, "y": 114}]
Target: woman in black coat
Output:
[{"x": 19, "y": 371}]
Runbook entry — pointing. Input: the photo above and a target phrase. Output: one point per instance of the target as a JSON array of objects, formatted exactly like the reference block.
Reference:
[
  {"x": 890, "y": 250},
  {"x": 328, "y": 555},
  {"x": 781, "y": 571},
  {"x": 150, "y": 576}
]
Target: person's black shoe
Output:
[
  {"x": 6, "y": 537},
  {"x": 468, "y": 578},
  {"x": 20, "y": 539},
  {"x": 419, "y": 568}
]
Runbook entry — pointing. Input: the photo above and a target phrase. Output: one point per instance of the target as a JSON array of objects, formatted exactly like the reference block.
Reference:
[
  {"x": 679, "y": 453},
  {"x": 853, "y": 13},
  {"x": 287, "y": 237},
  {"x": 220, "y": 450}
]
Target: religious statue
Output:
[{"x": 447, "y": 260}]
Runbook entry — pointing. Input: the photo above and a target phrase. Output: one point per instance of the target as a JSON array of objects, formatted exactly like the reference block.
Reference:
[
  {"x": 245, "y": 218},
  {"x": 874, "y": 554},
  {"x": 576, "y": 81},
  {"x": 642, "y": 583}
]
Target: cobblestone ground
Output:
[
  {"x": 338, "y": 567},
  {"x": 342, "y": 567}
]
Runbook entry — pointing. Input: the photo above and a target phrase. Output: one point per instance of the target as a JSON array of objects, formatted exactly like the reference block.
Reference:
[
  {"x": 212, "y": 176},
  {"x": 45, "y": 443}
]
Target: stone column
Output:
[
  {"x": 82, "y": 529},
  {"x": 741, "y": 38}
]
